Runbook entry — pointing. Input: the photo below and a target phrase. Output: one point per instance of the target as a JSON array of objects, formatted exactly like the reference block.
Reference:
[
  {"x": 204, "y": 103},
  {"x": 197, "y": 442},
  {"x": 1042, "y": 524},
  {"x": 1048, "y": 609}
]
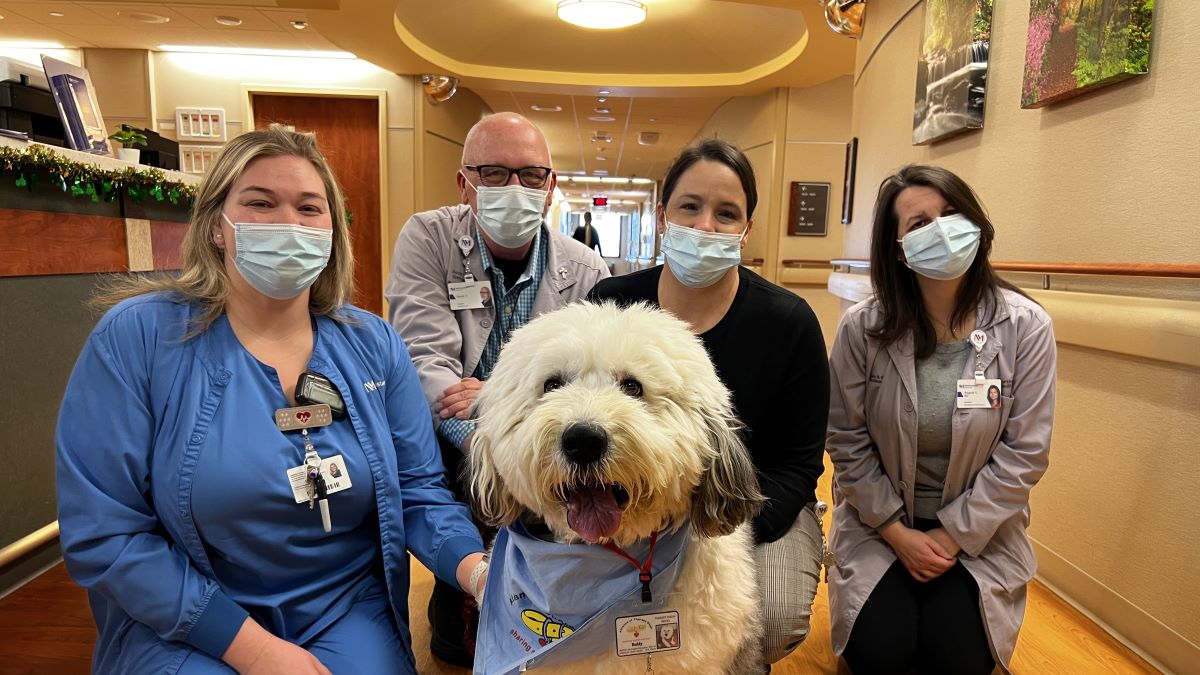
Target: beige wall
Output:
[
  {"x": 122, "y": 81},
  {"x": 443, "y": 128},
  {"x": 1110, "y": 176}
]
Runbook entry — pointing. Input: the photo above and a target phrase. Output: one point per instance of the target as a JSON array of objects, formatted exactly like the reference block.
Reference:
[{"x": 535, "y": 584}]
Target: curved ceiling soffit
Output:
[{"x": 497, "y": 76}]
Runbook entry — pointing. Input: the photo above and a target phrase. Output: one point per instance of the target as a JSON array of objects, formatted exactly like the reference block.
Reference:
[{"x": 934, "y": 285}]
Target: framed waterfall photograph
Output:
[{"x": 952, "y": 71}]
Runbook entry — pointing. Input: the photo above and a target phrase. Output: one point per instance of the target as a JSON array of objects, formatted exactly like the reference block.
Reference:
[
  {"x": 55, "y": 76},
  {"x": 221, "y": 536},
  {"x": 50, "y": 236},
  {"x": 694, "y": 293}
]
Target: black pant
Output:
[
  {"x": 453, "y": 615},
  {"x": 923, "y": 627}
]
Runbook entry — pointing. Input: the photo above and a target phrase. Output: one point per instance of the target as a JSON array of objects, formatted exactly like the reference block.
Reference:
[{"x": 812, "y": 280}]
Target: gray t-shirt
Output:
[{"x": 937, "y": 385}]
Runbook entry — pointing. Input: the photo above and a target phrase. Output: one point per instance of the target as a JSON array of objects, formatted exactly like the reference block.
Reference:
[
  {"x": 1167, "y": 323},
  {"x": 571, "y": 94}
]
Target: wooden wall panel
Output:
[
  {"x": 42, "y": 242},
  {"x": 166, "y": 241}
]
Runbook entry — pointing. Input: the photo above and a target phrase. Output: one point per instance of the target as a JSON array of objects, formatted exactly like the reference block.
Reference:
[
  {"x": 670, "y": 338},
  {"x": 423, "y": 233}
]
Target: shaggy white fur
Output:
[{"x": 609, "y": 424}]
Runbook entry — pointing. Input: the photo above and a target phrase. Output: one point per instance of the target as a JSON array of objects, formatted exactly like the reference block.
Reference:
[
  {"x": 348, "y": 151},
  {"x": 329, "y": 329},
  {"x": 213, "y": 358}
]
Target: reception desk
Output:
[{"x": 54, "y": 247}]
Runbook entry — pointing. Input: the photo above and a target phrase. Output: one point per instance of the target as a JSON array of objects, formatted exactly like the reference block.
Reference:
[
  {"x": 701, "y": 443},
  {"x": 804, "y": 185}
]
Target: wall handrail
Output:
[
  {"x": 804, "y": 262},
  {"x": 26, "y": 545},
  {"x": 1172, "y": 270}
]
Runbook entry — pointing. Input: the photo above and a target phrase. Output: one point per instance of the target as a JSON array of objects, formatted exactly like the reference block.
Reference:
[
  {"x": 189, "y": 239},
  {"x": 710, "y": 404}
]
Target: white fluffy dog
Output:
[{"x": 609, "y": 425}]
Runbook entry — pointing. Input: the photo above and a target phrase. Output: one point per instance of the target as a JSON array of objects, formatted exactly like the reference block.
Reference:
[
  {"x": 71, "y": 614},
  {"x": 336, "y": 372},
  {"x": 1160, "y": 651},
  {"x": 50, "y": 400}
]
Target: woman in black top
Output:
[{"x": 768, "y": 349}]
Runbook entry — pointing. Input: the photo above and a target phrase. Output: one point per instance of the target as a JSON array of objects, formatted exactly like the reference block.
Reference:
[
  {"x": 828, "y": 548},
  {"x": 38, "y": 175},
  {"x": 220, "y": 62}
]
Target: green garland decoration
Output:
[{"x": 89, "y": 180}]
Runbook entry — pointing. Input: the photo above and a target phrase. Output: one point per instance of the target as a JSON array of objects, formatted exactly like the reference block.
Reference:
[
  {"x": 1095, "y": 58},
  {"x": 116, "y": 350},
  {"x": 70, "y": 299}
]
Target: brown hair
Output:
[
  {"x": 203, "y": 279},
  {"x": 895, "y": 285},
  {"x": 714, "y": 150}
]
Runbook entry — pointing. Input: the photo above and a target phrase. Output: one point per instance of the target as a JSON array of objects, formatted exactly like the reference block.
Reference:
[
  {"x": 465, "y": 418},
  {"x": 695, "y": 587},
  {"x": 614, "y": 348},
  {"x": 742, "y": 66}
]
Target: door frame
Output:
[{"x": 380, "y": 95}]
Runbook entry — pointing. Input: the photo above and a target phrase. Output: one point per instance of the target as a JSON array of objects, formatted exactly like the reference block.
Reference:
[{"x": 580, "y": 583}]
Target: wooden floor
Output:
[{"x": 46, "y": 629}]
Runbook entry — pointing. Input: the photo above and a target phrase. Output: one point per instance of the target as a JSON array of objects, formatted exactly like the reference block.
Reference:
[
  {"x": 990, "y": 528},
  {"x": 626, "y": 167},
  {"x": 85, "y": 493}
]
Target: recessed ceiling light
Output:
[
  {"x": 299, "y": 25},
  {"x": 228, "y": 20},
  {"x": 604, "y": 92},
  {"x": 545, "y": 108},
  {"x": 602, "y": 118},
  {"x": 602, "y": 14},
  {"x": 144, "y": 17},
  {"x": 653, "y": 119},
  {"x": 601, "y": 158},
  {"x": 603, "y": 111},
  {"x": 1, "y": 17},
  {"x": 602, "y": 99},
  {"x": 57, "y": 14},
  {"x": 600, "y": 172}
]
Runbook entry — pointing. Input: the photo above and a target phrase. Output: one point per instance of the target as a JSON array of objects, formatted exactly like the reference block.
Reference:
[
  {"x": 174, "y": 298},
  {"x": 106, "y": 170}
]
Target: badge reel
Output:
[
  {"x": 317, "y": 478},
  {"x": 976, "y": 393},
  {"x": 468, "y": 293}
]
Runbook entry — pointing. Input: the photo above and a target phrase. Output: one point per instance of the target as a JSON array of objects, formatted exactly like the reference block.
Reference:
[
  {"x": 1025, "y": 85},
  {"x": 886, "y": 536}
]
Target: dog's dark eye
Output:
[
  {"x": 631, "y": 387},
  {"x": 552, "y": 384}
]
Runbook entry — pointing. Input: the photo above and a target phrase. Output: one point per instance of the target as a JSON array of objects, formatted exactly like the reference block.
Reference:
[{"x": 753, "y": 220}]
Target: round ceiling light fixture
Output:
[
  {"x": 602, "y": 14},
  {"x": 228, "y": 20},
  {"x": 144, "y": 17}
]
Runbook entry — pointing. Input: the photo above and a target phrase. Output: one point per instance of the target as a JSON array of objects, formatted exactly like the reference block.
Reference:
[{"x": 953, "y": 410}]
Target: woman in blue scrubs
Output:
[{"x": 183, "y": 473}]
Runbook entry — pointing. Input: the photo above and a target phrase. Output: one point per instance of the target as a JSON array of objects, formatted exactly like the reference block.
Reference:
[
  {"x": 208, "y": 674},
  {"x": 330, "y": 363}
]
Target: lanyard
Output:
[{"x": 642, "y": 568}]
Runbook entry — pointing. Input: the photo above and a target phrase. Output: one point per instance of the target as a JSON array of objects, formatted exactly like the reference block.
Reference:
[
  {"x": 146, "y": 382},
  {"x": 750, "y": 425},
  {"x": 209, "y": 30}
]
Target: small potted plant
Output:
[{"x": 129, "y": 137}]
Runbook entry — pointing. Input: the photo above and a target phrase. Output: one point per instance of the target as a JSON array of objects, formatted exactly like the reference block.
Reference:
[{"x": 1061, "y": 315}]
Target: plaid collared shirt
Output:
[{"x": 512, "y": 308}]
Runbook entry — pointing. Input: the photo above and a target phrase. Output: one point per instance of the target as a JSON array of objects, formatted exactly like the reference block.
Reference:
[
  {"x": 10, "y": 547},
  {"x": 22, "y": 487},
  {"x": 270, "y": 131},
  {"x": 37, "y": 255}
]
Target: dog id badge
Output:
[
  {"x": 333, "y": 470},
  {"x": 639, "y": 634},
  {"x": 469, "y": 294}
]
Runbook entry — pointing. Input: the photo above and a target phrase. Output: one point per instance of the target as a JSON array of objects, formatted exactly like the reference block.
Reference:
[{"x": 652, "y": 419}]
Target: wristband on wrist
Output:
[{"x": 476, "y": 574}]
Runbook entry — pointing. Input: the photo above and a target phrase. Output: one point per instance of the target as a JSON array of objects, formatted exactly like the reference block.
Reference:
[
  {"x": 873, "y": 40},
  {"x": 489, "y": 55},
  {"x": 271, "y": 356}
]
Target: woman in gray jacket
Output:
[{"x": 931, "y": 482}]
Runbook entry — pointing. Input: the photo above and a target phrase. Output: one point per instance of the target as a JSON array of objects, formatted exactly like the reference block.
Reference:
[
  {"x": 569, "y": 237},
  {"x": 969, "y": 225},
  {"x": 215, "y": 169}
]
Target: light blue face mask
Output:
[
  {"x": 698, "y": 258},
  {"x": 280, "y": 260},
  {"x": 943, "y": 249},
  {"x": 509, "y": 215}
]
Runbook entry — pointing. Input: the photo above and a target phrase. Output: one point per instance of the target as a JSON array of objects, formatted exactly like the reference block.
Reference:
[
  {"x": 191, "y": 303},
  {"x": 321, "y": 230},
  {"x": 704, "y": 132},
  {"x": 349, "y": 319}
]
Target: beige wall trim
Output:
[
  {"x": 883, "y": 40},
  {"x": 776, "y": 205},
  {"x": 31, "y": 542},
  {"x": 804, "y": 277},
  {"x": 1166, "y": 330},
  {"x": 1149, "y": 638},
  {"x": 445, "y": 138}
]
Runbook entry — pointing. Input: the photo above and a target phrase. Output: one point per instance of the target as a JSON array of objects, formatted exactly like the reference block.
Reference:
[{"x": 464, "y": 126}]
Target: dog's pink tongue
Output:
[{"x": 593, "y": 513}]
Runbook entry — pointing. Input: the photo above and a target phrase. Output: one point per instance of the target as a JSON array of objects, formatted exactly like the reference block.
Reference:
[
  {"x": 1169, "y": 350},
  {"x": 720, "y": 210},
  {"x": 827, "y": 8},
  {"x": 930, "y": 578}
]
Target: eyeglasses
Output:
[{"x": 496, "y": 175}]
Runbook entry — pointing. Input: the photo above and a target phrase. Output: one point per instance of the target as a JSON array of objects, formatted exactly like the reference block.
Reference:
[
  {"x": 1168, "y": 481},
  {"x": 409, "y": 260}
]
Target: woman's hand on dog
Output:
[
  {"x": 457, "y": 400},
  {"x": 922, "y": 555}
]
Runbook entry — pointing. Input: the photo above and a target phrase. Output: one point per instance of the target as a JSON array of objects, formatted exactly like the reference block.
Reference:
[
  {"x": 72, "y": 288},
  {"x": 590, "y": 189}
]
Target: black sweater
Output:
[{"x": 769, "y": 350}]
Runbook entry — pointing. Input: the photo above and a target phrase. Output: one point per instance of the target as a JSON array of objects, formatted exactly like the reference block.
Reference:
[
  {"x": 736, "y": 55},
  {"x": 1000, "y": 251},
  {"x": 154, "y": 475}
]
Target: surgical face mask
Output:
[
  {"x": 943, "y": 249},
  {"x": 509, "y": 215},
  {"x": 280, "y": 260},
  {"x": 698, "y": 258}
]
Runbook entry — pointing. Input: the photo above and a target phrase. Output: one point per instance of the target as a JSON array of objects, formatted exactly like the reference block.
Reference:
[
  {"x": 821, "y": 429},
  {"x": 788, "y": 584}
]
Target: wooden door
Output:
[{"x": 347, "y": 132}]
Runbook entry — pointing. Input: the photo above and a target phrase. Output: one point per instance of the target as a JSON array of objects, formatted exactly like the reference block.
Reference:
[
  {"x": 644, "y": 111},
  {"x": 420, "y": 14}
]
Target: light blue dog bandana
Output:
[{"x": 541, "y": 595}]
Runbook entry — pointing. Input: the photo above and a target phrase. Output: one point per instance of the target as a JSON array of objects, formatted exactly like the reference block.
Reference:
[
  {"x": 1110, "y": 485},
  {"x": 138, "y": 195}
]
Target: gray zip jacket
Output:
[
  {"x": 996, "y": 457},
  {"x": 446, "y": 345}
]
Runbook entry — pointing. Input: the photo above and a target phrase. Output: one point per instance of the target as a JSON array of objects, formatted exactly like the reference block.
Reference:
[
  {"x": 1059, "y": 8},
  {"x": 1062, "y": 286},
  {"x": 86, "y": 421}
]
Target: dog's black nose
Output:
[{"x": 584, "y": 442}]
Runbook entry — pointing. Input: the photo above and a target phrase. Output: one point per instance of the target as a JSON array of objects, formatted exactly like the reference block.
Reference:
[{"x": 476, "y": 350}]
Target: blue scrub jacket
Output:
[{"x": 133, "y": 423}]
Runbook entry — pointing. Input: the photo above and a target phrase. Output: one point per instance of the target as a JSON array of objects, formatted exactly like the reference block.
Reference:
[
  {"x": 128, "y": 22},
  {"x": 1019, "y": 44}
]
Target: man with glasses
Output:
[{"x": 493, "y": 244}]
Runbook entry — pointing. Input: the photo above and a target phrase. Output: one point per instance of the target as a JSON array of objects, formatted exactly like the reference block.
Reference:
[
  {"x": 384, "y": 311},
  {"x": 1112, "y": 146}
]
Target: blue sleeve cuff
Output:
[
  {"x": 217, "y": 626},
  {"x": 452, "y": 552},
  {"x": 456, "y": 431}
]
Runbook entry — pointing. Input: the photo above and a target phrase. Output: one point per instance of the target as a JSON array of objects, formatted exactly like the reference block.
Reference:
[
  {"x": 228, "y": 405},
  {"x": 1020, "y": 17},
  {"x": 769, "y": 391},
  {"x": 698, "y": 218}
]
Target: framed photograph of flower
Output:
[{"x": 1074, "y": 46}]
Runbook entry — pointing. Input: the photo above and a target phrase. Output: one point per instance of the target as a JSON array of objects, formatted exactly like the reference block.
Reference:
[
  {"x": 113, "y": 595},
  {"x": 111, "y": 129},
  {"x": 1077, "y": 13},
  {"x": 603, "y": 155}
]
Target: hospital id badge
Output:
[
  {"x": 469, "y": 294},
  {"x": 978, "y": 394},
  {"x": 334, "y": 470}
]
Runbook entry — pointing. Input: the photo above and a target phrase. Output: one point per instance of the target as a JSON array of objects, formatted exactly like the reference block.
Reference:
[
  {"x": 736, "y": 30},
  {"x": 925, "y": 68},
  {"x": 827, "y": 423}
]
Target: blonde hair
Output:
[{"x": 203, "y": 279}]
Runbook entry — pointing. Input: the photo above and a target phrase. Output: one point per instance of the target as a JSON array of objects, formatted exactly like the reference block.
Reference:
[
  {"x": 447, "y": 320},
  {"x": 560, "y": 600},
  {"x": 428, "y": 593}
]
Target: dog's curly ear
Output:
[
  {"x": 728, "y": 494},
  {"x": 492, "y": 502}
]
